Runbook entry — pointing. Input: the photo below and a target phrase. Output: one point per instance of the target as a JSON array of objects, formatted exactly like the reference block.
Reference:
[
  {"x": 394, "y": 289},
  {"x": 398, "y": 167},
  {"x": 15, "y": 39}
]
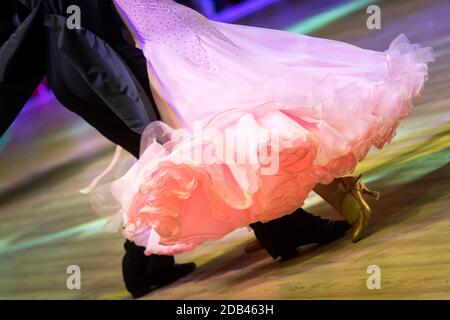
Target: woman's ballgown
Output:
[{"x": 253, "y": 119}]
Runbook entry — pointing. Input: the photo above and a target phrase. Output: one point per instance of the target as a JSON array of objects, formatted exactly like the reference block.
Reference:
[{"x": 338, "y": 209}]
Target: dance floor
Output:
[{"x": 47, "y": 225}]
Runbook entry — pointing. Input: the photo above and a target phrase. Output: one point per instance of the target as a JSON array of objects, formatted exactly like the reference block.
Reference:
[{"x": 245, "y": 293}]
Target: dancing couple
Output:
[{"x": 140, "y": 71}]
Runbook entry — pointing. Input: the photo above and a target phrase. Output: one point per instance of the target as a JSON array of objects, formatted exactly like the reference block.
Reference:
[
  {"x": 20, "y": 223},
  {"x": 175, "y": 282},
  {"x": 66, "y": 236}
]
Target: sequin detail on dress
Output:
[{"x": 163, "y": 23}]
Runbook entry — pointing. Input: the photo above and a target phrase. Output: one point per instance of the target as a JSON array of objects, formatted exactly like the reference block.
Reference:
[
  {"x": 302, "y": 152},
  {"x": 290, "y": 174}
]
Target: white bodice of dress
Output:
[{"x": 165, "y": 23}]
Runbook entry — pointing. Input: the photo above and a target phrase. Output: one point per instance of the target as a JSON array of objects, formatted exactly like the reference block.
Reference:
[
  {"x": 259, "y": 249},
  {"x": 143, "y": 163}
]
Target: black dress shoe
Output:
[
  {"x": 297, "y": 229},
  {"x": 161, "y": 279},
  {"x": 331, "y": 230}
]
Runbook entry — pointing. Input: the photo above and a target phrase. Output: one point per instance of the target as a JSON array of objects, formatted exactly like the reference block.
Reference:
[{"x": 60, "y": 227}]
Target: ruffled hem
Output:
[{"x": 175, "y": 198}]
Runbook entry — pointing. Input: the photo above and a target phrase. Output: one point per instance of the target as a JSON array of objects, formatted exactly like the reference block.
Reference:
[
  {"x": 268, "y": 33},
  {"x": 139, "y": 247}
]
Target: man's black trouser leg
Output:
[
  {"x": 76, "y": 95},
  {"x": 21, "y": 73}
]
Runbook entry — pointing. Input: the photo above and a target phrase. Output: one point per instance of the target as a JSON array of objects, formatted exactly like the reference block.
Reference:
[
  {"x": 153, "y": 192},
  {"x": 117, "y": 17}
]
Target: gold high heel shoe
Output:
[{"x": 353, "y": 207}]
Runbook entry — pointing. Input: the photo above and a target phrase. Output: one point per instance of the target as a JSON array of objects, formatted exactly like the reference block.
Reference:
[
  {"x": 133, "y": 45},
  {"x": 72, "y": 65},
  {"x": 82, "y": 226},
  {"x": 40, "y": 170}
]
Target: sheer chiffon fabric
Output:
[{"x": 326, "y": 103}]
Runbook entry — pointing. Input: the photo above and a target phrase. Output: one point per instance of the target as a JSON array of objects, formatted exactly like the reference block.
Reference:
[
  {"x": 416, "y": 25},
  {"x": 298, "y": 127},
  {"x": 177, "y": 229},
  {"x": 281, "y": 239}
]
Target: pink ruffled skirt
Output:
[{"x": 250, "y": 133}]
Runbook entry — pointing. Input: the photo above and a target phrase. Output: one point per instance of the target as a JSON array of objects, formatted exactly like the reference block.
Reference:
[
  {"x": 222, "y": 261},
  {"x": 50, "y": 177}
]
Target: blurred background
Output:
[
  {"x": 211, "y": 7},
  {"x": 49, "y": 153}
]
